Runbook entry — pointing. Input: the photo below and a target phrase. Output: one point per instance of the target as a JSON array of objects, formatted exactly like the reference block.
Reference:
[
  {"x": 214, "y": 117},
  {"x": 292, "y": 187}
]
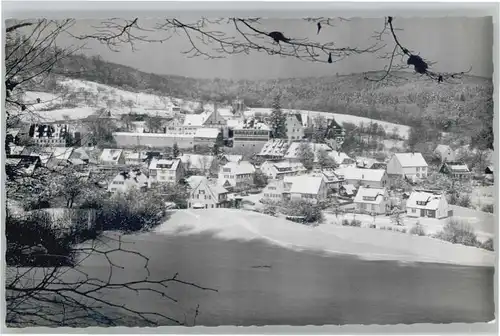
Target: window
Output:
[
  {"x": 418, "y": 168},
  {"x": 413, "y": 210}
]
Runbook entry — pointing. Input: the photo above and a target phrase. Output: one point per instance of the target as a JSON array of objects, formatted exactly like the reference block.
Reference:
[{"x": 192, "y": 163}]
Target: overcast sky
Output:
[{"x": 456, "y": 44}]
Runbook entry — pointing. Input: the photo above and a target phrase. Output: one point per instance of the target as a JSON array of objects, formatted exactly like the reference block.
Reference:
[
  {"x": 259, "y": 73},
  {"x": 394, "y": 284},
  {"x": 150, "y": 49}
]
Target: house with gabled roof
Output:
[
  {"x": 280, "y": 169},
  {"x": 165, "y": 170},
  {"x": 455, "y": 170},
  {"x": 373, "y": 178},
  {"x": 79, "y": 156},
  {"x": 294, "y": 128},
  {"x": 342, "y": 159},
  {"x": 423, "y": 203},
  {"x": 347, "y": 190},
  {"x": 237, "y": 175},
  {"x": 208, "y": 195},
  {"x": 112, "y": 156},
  {"x": 445, "y": 153},
  {"x": 273, "y": 192},
  {"x": 372, "y": 200},
  {"x": 307, "y": 188},
  {"x": 230, "y": 158},
  {"x": 410, "y": 165},
  {"x": 126, "y": 181}
]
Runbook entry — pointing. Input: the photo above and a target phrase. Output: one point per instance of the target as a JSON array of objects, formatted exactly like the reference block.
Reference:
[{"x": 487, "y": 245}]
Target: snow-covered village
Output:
[{"x": 257, "y": 180}]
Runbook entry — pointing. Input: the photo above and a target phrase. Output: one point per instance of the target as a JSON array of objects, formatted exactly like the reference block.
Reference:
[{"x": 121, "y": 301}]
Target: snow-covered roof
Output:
[
  {"x": 256, "y": 126},
  {"x": 349, "y": 188},
  {"x": 370, "y": 195},
  {"x": 233, "y": 158},
  {"x": 339, "y": 157},
  {"x": 361, "y": 174},
  {"x": 286, "y": 166},
  {"x": 195, "y": 119},
  {"x": 234, "y": 123},
  {"x": 194, "y": 180},
  {"x": 274, "y": 147},
  {"x": 80, "y": 153},
  {"x": 13, "y": 131},
  {"x": 197, "y": 161},
  {"x": 239, "y": 168},
  {"x": 458, "y": 167},
  {"x": 169, "y": 164},
  {"x": 154, "y": 135},
  {"x": 110, "y": 155},
  {"x": 430, "y": 200},
  {"x": 411, "y": 159},
  {"x": 133, "y": 178},
  {"x": 16, "y": 150},
  {"x": 293, "y": 150},
  {"x": 304, "y": 184},
  {"x": 207, "y": 133},
  {"x": 62, "y": 153},
  {"x": 211, "y": 186}
]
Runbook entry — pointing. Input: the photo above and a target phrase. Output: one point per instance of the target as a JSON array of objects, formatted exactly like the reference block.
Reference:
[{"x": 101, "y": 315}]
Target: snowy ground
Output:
[
  {"x": 482, "y": 196},
  {"x": 371, "y": 244},
  {"x": 482, "y": 225}
]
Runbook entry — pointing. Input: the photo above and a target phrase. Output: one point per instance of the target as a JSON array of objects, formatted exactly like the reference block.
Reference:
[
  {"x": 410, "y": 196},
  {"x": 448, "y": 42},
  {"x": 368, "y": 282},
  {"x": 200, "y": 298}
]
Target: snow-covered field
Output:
[
  {"x": 143, "y": 102},
  {"x": 371, "y": 244}
]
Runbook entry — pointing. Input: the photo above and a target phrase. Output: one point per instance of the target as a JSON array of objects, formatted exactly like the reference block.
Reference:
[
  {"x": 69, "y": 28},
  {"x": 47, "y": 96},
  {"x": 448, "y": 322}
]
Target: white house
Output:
[
  {"x": 445, "y": 153},
  {"x": 306, "y": 188},
  {"x": 112, "y": 156},
  {"x": 273, "y": 192},
  {"x": 165, "y": 170},
  {"x": 128, "y": 180},
  {"x": 236, "y": 175},
  {"x": 294, "y": 127},
  {"x": 207, "y": 195},
  {"x": 427, "y": 204},
  {"x": 280, "y": 169},
  {"x": 274, "y": 149},
  {"x": 199, "y": 164},
  {"x": 342, "y": 159},
  {"x": 373, "y": 178},
  {"x": 372, "y": 200},
  {"x": 411, "y": 165}
]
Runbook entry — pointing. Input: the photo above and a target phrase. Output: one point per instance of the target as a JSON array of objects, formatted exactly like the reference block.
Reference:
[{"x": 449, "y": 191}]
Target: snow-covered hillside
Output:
[{"x": 83, "y": 98}]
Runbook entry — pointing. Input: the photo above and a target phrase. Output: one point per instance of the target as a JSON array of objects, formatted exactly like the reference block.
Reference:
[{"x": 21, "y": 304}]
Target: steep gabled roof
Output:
[
  {"x": 304, "y": 184},
  {"x": 411, "y": 159},
  {"x": 376, "y": 193},
  {"x": 431, "y": 200}
]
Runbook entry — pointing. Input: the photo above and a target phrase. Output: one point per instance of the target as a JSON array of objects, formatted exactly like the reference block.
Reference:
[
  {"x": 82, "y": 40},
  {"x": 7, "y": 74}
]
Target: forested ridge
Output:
[{"x": 458, "y": 106}]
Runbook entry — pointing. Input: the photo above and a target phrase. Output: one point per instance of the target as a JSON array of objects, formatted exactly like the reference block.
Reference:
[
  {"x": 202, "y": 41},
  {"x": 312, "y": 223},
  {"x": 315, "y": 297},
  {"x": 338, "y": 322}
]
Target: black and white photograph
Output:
[{"x": 208, "y": 171}]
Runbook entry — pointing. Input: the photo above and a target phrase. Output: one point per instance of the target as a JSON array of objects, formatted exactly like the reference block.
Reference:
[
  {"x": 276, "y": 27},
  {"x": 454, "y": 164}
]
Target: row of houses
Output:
[{"x": 420, "y": 204}]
